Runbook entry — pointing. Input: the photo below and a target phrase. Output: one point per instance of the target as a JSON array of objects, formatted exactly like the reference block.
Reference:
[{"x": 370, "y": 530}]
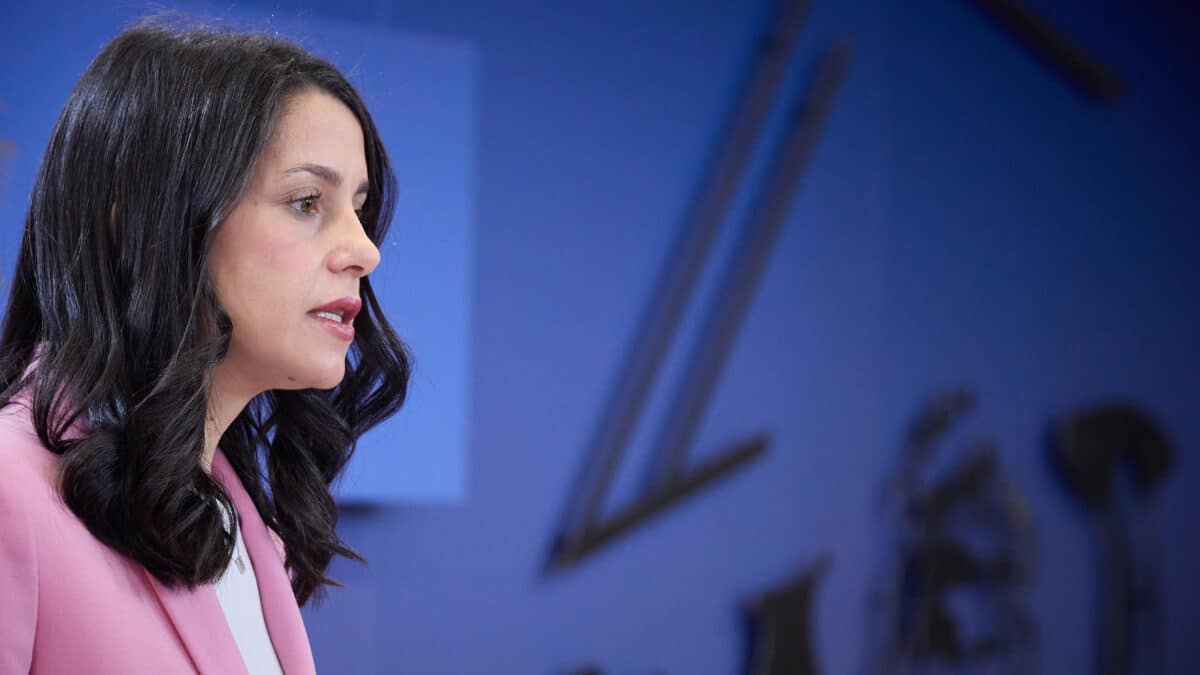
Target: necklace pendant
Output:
[{"x": 240, "y": 565}]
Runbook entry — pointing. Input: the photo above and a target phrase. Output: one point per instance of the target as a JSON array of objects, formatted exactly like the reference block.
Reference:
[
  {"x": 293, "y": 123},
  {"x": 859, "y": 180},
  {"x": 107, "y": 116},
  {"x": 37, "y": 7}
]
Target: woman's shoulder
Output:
[
  {"x": 27, "y": 468},
  {"x": 31, "y": 508}
]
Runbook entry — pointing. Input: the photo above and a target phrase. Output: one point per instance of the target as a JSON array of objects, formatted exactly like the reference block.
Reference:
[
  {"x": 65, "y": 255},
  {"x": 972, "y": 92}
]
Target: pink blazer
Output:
[{"x": 70, "y": 604}]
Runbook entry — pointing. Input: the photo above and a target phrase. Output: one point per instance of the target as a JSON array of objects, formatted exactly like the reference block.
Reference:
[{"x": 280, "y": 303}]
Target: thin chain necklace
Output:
[
  {"x": 237, "y": 541},
  {"x": 237, "y": 552}
]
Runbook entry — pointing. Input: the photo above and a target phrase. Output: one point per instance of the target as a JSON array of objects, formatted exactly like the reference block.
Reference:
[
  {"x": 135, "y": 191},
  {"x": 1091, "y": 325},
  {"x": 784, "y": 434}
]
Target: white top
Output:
[{"x": 237, "y": 590}]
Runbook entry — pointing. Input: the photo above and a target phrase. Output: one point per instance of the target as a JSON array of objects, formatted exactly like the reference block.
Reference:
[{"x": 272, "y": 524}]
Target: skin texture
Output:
[{"x": 293, "y": 243}]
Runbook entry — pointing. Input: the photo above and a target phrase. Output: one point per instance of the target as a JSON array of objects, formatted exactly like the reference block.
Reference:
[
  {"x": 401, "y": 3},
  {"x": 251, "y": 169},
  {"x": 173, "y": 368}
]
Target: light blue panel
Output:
[{"x": 421, "y": 92}]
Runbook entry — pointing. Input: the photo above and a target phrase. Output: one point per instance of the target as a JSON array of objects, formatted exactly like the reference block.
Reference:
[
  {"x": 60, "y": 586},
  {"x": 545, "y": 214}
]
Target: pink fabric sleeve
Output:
[
  {"x": 281, "y": 549},
  {"x": 18, "y": 578},
  {"x": 278, "y": 542}
]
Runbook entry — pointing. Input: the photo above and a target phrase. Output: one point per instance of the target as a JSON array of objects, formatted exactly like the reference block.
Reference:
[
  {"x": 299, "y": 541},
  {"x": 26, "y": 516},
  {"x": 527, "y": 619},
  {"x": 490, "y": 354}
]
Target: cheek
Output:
[{"x": 260, "y": 275}]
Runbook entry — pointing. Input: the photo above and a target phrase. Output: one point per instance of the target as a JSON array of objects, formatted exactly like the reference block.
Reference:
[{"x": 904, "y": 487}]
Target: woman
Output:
[{"x": 190, "y": 350}]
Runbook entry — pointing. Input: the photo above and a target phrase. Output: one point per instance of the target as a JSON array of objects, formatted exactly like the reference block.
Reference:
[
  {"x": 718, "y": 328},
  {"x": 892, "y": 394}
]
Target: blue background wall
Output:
[{"x": 967, "y": 219}]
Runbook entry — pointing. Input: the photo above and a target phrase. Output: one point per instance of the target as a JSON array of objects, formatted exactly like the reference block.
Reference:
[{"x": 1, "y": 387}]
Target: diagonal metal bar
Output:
[
  {"x": 1080, "y": 69},
  {"x": 736, "y": 291},
  {"x": 753, "y": 250},
  {"x": 599, "y": 535},
  {"x": 661, "y": 319}
]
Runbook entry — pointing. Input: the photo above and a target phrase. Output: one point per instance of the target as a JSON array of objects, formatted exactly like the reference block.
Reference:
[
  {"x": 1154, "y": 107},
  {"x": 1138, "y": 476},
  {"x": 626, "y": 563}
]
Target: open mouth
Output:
[
  {"x": 342, "y": 310},
  {"x": 332, "y": 316},
  {"x": 338, "y": 316}
]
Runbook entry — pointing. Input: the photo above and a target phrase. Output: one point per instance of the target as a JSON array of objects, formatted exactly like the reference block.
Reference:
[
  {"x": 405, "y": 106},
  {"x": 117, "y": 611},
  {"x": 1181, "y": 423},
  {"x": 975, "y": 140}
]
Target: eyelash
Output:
[
  {"x": 315, "y": 198},
  {"x": 312, "y": 197}
]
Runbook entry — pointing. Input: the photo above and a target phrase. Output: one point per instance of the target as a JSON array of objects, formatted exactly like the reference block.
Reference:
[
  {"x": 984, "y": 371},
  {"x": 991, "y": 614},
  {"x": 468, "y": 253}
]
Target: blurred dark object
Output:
[
  {"x": 1094, "y": 444},
  {"x": 779, "y": 626},
  {"x": 1077, "y": 67},
  {"x": 960, "y": 556},
  {"x": 1112, "y": 460},
  {"x": 582, "y": 530},
  {"x": 670, "y": 478}
]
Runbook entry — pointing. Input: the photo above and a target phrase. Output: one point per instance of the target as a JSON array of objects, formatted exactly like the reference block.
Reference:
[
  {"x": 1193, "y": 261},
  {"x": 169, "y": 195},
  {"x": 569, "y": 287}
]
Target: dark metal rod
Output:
[
  {"x": 753, "y": 250},
  {"x": 1079, "y": 68},
  {"x": 683, "y": 264},
  {"x": 599, "y": 535}
]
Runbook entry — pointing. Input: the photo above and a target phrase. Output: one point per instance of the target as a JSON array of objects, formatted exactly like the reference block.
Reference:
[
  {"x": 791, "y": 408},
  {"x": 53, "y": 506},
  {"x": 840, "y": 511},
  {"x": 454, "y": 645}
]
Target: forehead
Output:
[{"x": 316, "y": 128}]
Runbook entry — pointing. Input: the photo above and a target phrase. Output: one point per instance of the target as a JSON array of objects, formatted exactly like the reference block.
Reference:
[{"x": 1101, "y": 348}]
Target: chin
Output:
[
  {"x": 329, "y": 378},
  {"x": 316, "y": 375}
]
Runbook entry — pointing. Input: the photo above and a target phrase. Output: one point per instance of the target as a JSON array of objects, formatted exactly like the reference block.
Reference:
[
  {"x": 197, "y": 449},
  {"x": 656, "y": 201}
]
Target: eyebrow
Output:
[{"x": 327, "y": 174}]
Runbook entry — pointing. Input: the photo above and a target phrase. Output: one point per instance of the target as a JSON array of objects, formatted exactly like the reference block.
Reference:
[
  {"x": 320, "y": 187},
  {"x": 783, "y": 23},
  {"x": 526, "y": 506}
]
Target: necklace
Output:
[
  {"x": 237, "y": 541},
  {"x": 237, "y": 552}
]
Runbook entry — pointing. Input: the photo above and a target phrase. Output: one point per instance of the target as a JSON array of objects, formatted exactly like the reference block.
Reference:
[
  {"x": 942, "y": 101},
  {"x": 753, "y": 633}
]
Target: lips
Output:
[
  {"x": 342, "y": 310},
  {"x": 338, "y": 316}
]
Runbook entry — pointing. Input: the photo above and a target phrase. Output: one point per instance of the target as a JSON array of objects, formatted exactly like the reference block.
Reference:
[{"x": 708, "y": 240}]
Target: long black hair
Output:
[{"x": 113, "y": 322}]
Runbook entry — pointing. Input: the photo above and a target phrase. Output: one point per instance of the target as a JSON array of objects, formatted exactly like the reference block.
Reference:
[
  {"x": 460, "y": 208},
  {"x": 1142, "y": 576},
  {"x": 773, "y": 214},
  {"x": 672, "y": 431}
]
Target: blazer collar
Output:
[
  {"x": 200, "y": 623},
  {"x": 197, "y": 614}
]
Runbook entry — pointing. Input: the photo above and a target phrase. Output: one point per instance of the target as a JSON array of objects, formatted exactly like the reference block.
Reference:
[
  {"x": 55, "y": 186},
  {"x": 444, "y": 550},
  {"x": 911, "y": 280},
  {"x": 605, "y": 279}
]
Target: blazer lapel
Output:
[
  {"x": 201, "y": 626},
  {"x": 197, "y": 614},
  {"x": 282, "y": 615}
]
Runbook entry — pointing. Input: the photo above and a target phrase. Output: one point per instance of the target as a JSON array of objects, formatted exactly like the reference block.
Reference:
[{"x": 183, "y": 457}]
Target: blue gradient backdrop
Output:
[{"x": 967, "y": 219}]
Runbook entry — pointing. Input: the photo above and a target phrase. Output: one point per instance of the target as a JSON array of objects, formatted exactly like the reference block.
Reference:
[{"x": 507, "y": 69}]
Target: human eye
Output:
[{"x": 306, "y": 204}]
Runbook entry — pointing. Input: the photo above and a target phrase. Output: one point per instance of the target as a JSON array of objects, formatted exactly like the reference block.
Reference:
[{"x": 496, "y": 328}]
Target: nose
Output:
[{"x": 354, "y": 251}]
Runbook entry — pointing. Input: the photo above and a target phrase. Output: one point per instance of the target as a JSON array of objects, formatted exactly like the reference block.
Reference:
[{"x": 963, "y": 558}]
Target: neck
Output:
[{"x": 227, "y": 397}]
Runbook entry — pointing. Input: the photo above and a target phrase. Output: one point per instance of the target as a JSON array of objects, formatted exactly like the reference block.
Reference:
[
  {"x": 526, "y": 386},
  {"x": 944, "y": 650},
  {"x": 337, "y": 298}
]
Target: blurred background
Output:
[{"x": 763, "y": 336}]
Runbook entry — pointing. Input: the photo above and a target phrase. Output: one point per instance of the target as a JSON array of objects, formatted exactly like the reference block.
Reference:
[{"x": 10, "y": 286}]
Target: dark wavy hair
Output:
[{"x": 113, "y": 322}]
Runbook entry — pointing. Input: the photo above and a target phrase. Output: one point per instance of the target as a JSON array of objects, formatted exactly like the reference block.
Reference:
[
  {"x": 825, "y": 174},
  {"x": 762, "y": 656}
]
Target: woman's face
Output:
[{"x": 287, "y": 262}]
